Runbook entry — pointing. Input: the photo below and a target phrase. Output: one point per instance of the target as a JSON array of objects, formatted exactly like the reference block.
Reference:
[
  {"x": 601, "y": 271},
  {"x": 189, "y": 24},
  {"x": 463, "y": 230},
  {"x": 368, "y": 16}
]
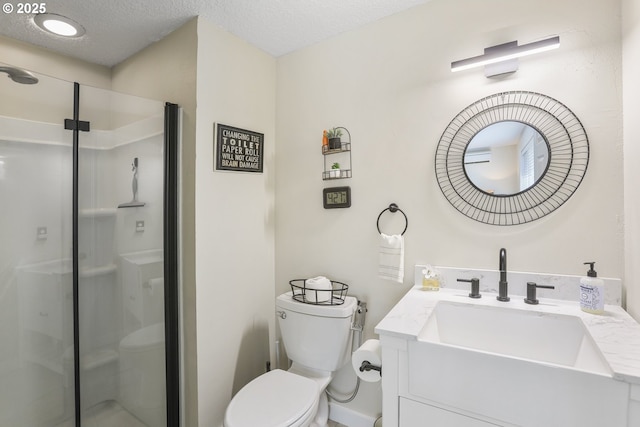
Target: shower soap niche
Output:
[{"x": 41, "y": 233}]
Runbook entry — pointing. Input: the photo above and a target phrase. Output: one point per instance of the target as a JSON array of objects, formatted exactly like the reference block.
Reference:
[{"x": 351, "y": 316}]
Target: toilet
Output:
[
  {"x": 142, "y": 375},
  {"x": 317, "y": 339}
]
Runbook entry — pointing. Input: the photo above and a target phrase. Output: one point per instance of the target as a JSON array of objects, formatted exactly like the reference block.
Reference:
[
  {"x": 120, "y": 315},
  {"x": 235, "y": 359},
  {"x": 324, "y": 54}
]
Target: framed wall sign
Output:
[
  {"x": 336, "y": 197},
  {"x": 238, "y": 149}
]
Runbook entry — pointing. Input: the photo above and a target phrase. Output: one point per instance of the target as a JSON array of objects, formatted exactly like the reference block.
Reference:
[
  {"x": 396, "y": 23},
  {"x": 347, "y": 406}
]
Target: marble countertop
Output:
[{"x": 615, "y": 332}]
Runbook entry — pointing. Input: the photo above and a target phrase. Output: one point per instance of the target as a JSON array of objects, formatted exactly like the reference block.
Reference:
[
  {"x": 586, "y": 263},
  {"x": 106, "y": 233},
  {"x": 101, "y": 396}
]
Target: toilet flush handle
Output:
[{"x": 281, "y": 314}]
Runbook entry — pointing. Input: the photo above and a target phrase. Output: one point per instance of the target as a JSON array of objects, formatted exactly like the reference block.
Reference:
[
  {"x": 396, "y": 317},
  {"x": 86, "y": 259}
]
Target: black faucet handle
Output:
[
  {"x": 475, "y": 287},
  {"x": 531, "y": 292}
]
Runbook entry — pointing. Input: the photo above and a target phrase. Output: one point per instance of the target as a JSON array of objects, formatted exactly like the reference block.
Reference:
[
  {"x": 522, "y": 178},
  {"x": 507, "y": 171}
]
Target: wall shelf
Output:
[
  {"x": 340, "y": 155},
  {"x": 346, "y": 146},
  {"x": 97, "y": 212},
  {"x": 336, "y": 174}
]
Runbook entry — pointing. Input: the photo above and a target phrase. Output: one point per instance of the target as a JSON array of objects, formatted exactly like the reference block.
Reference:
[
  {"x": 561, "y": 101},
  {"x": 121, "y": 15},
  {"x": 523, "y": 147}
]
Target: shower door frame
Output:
[
  {"x": 171, "y": 245},
  {"x": 170, "y": 251}
]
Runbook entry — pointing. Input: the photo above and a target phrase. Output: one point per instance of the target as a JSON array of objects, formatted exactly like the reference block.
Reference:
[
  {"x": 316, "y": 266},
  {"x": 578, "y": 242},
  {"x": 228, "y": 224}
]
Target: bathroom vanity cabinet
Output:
[
  {"x": 441, "y": 383},
  {"x": 401, "y": 408},
  {"x": 410, "y": 398},
  {"x": 412, "y": 413}
]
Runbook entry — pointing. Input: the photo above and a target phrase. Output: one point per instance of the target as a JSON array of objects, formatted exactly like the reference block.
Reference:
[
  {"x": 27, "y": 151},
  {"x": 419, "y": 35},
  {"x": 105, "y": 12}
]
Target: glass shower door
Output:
[
  {"x": 36, "y": 327},
  {"x": 121, "y": 265},
  {"x": 120, "y": 368}
]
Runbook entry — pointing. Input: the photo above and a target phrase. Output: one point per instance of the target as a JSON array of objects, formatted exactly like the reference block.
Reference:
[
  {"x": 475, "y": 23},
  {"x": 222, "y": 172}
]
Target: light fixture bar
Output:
[{"x": 506, "y": 52}]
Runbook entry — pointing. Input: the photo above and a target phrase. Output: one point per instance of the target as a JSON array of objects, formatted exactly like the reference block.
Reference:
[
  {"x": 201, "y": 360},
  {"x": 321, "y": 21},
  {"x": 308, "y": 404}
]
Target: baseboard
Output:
[{"x": 349, "y": 417}]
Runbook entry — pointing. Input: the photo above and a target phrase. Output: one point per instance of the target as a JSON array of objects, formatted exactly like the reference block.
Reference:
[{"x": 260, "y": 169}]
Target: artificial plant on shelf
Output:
[
  {"x": 335, "y": 170},
  {"x": 334, "y": 135}
]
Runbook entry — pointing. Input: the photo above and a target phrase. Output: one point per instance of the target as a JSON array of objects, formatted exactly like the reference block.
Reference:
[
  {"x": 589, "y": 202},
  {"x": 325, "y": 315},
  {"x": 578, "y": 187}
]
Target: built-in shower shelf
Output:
[
  {"x": 97, "y": 271},
  {"x": 52, "y": 363},
  {"x": 97, "y": 212},
  {"x": 98, "y": 358}
]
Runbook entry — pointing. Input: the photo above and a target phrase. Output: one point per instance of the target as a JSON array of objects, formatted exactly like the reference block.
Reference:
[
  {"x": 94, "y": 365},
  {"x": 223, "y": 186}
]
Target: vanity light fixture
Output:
[
  {"x": 505, "y": 56},
  {"x": 59, "y": 25}
]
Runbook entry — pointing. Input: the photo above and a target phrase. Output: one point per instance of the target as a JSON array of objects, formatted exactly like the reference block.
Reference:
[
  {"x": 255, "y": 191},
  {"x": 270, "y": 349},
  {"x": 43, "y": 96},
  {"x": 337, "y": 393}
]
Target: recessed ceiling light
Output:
[{"x": 59, "y": 25}]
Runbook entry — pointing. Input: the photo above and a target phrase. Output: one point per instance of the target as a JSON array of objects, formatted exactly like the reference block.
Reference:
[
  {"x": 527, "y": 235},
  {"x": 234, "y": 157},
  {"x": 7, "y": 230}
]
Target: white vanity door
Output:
[{"x": 415, "y": 414}]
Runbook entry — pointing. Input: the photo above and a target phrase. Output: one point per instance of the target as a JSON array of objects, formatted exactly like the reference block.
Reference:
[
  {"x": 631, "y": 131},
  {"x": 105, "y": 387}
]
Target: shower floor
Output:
[
  {"x": 32, "y": 395},
  {"x": 107, "y": 414}
]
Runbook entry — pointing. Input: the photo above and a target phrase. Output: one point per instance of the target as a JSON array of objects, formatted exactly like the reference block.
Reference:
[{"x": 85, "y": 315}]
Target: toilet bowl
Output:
[
  {"x": 317, "y": 339},
  {"x": 142, "y": 375},
  {"x": 277, "y": 398}
]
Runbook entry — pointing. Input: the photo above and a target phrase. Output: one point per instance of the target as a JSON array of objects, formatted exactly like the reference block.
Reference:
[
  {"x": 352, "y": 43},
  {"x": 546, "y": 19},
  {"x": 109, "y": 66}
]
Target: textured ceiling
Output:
[{"x": 117, "y": 29}]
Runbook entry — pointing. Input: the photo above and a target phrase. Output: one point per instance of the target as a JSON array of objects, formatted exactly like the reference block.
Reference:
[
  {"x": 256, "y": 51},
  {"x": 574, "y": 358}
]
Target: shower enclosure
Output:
[{"x": 88, "y": 256}]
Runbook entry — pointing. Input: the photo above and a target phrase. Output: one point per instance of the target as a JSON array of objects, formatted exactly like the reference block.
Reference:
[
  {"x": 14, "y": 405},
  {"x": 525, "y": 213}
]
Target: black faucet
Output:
[{"x": 502, "y": 285}]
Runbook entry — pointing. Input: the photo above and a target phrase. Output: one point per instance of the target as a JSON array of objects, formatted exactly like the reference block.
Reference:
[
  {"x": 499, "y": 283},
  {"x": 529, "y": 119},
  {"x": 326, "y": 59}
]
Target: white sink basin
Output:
[{"x": 519, "y": 333}]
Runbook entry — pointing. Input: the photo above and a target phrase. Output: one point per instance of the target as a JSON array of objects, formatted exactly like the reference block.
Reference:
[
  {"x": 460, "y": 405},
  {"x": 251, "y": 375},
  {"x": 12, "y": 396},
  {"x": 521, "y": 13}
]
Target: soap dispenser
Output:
[{"x": 592, "y": 292}]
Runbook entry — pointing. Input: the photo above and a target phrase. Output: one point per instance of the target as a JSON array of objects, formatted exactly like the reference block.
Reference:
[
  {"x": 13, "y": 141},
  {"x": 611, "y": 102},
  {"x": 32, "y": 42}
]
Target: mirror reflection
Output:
[{"x": 506, "y": 158}]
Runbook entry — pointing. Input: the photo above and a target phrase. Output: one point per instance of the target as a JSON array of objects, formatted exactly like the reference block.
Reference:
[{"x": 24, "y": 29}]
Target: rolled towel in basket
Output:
[{"x": 317, "y": 289}]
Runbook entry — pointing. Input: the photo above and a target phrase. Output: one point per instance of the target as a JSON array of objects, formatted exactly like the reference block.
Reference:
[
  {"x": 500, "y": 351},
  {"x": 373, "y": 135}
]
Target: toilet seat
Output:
[{"x": 275, "y": 399}]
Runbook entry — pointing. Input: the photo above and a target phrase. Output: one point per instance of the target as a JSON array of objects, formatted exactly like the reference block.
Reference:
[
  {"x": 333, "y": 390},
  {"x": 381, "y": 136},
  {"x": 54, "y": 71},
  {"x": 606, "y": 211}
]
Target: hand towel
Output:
[{"x": 391, "y": 257}]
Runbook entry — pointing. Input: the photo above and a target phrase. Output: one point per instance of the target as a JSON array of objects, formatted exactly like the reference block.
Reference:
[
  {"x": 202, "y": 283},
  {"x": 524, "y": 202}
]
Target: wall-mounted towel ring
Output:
[{"x": 393, "y": 208}]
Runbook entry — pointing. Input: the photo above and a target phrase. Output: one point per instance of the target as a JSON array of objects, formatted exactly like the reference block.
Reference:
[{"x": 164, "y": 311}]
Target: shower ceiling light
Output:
[
  {"x": 506, "y": 52},
  {"x": 59, "y": 25}
]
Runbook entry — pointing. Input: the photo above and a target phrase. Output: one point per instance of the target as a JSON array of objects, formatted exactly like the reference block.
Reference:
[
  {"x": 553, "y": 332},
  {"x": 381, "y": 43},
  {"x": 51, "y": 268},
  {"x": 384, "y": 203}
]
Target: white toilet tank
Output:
[{"x": 316, "y": 336}]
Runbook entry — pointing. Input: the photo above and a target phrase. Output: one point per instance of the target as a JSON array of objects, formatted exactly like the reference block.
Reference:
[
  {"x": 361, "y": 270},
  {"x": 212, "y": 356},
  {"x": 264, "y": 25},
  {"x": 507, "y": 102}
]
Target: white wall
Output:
[
  {"x": 234, "y": 222},
  {"x": 390, "y": 84},
  {"x": 631, "y": 131}
]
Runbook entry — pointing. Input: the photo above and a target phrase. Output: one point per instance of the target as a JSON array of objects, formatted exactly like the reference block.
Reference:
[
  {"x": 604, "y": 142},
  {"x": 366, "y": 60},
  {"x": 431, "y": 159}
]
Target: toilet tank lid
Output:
[
  {"x": 346, "y": 309},
  {"x": 277, "y": 398}
]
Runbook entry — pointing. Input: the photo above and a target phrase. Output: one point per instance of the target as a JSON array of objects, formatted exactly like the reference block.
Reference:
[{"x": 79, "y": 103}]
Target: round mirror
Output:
[
  {"x": 532, "y": 178},
  {"x": 506, "y": 158}
]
